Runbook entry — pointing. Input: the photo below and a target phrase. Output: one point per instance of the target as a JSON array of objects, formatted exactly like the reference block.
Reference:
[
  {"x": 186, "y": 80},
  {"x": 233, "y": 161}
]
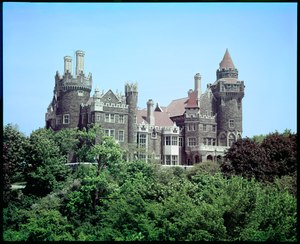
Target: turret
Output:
[
  {"x": 79, "y": 62},
  {"x": 68, "y": 65},
  {"x": 227, "y": 68},
  {"x": 150, "y": 112},
  {"x": 229, "y": 92},
  {"x": 131, "y": 93},
  {"x": 197, "y": 89}
]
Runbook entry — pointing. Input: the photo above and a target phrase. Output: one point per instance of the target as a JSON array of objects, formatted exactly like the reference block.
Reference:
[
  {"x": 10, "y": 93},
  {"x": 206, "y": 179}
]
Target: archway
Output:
[
  {"x": 219, "y": 159},
  {"x": 197, "y": 159},
  {"x": 209, "y": 158},
  {"x": 231, "y": 139}
]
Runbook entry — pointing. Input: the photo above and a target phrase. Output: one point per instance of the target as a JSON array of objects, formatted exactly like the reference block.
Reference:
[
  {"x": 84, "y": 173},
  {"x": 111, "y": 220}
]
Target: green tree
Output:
[
  {"x": 46, "y": 167},
  {"x": 14, "y": 151}
]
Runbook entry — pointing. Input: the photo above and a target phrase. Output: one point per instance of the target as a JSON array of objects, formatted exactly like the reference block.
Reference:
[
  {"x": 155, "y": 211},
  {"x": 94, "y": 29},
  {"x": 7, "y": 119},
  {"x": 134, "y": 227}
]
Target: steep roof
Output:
[
  {"x": 177, "y": 107},
  {"x": 161, "y": 118},
  {"x": 226, "y": 63}
]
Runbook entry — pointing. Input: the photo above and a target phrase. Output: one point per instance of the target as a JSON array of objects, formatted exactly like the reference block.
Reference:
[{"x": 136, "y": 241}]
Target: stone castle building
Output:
[{"x": 189, "y": 130}]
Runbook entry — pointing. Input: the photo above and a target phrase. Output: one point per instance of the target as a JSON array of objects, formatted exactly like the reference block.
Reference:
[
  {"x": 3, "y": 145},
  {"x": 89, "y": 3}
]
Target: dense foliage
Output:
[{"x": 119, "y": 200}]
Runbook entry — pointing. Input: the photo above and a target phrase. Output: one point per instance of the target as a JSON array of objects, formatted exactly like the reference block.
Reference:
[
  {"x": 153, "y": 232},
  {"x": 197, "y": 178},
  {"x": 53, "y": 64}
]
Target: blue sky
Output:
[{"x": 159, "y": 45}]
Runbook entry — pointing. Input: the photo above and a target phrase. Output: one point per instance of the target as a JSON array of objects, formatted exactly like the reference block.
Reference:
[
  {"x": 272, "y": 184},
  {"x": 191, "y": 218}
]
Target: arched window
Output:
[{"x": 231, "y": 139}]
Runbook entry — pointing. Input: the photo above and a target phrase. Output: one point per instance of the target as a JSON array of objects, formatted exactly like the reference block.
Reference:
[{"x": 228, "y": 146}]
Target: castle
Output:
[{"x": 189, "y": 130}]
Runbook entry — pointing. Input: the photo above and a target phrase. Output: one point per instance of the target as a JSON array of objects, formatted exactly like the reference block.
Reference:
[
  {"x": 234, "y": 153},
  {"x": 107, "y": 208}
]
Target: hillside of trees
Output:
[{"x": 251, "y": 196}]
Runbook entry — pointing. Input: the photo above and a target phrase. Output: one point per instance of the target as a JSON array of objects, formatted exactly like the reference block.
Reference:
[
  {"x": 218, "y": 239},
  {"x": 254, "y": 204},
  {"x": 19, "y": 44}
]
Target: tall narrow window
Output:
[
  {"x": 213, "y": 128},
  {"x": 121, "y": 118},
  {"x": 112, "y": 118},
  {"x": 204, "y": 128},
  {"x": 121, "y": 135},
  {"x": 231, "y": 123},
  {"x": 98, "y": 117},
  {"x": 174, "y": 140},
  {"x": 168, "y": 159},
  {"x": 106, "y": 117},
  {"x": 66, "y": 119},
  {"x": 180, "y": 141},
  {"x": 142, "y": 140},
  {"x": 174, "y": 159},
  {"x": 168, "y": 140}
]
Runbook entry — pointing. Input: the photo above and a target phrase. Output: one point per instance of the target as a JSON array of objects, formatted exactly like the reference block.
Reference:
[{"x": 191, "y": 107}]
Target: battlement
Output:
[
  {"x": 131, "y": 87},
  {"x": 68, "y": 82}
]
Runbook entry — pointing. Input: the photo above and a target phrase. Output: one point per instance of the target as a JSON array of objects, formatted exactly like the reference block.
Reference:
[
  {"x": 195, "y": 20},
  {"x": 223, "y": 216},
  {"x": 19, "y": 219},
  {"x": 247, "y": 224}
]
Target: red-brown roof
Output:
[
  {"x": 161, "y": 118},
  {"x": 177, "y": 107},
  {"x": 227, "y": 63}
]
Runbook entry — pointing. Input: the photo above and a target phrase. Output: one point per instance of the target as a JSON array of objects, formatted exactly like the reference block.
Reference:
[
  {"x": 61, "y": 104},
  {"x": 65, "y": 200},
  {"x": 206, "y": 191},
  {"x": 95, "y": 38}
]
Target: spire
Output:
[{"x": 226, "y": 63}]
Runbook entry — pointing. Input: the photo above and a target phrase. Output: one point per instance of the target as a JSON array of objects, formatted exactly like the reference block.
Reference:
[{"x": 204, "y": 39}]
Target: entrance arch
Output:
[
  {"x": 197, "y": 159},
  {"x": 209, "y": 158}
]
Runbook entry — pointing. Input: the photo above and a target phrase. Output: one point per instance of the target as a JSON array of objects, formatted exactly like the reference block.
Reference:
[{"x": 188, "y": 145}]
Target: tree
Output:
[
  {"x": 14, "y": 151},
  {"x": 281, "y": 151},
  {"x": 46, "y": 167},
  {"x": 246, "y": 158}
]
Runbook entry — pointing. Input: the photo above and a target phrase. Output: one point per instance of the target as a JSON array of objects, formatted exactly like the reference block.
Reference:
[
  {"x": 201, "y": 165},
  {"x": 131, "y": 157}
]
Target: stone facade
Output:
[{"x": 189, "y": 130}]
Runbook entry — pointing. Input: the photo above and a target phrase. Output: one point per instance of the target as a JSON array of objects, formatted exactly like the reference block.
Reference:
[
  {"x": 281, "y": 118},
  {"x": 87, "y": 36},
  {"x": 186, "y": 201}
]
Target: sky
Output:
[{"x": 159, "y": 45}]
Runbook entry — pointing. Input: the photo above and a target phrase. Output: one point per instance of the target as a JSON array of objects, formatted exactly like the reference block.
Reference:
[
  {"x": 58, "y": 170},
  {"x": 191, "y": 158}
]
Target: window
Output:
[
  {"x": 213, "y": 128},
  {"x": 231, "y": 123},
  {"x": 121, "y": 135},
  {"x": 192, "y": 141},
  {"x": 209, "y": 141},
  {"x": 112, "y": 118},
  {"x": 180, "y": 141},
  {"x": 174, "y": 159},
  {"x": 168, "y": 140},
  {"x": 142, "y": 140},
  {"x": 121, "y": 119},
  {"x": 213, "y": 141},
  {"x": 174, "y": 140},
  {"x": 204, "y": 128},
  {"x": 66, "y": 119},
  {"x": 98, "y": 117},
  {"x": 168, "y": 159},
  {"x": 108, "y": 132},
  {"x": 106, "y": 117}
]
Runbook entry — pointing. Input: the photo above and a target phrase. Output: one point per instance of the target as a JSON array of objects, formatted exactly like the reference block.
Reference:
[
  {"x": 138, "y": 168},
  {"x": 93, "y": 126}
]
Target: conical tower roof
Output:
[{"x": 227, "y": 63}]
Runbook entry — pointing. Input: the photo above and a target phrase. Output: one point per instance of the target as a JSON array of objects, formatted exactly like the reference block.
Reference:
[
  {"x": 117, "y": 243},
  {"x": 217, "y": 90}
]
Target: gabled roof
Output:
[
  {"x": 161, "y": 118},
  {"x": 177, "y": 107},
  {"x": 226, "y": 63}
]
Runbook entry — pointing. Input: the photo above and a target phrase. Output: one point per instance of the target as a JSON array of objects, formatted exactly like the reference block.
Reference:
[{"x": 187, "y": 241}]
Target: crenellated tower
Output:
[
  {"x": 229, "y": 92},
  {"x": 131, "y": 94},
  {"x": 69, "y": 93}
]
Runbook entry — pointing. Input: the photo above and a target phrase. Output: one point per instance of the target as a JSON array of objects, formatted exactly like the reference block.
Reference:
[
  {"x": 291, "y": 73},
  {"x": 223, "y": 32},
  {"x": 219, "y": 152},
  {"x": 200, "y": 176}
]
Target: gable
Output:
[{"x": 109, "y": 97}]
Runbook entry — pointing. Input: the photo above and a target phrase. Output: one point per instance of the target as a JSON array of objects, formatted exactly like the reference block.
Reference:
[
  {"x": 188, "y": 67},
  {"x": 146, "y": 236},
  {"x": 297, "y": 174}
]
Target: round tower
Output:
[
  {"x": 229, "y": 92},
  {"x": 72, "y": 92},
  {"x": 131, "y": 93}
]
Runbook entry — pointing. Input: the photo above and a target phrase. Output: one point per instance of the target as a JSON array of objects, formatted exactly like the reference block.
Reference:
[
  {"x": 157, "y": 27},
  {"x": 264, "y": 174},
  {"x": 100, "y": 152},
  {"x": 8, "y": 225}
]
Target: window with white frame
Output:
[
  {"x": 121, "y": 118},
  {"x": 121, "y": 135},
  {"x": 109, "y": 132},
  {"x": 174, "y": 140},
  {"x": 142, "y": 140},
  {"x": 204, "y": 128},
  {"x": 180, "y": 141},
  {"x": 174, "y": 159},
  {"x": 168, "y": 160},
  {"x": 106, "y": 118},
  {"x": 112, "y": 118},
  {"x": 66, "y": 119},
  {"x": 167, "y": 140},
  {"x": 192, "y": 141}
]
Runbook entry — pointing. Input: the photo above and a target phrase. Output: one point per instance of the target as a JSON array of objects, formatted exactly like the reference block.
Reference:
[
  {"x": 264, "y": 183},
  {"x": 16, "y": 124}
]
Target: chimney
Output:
[
  {"x": 68, "y": 64},
  {"x": 150, "y": 112},
  {"x": 79, "y": 62},
  {"x": 197, "y": 78}
]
